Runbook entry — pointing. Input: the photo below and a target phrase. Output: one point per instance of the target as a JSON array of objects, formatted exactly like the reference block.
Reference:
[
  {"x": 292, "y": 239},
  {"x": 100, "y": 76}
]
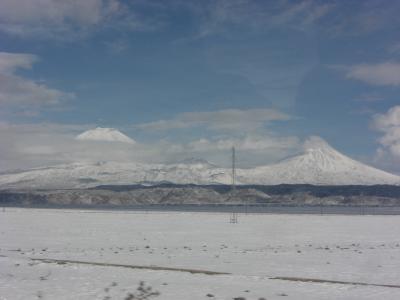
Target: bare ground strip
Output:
[
  {"x": 205, "y": 272},
  {"x": 156, "y": 268},
  {"x": 315, "y": 280}
]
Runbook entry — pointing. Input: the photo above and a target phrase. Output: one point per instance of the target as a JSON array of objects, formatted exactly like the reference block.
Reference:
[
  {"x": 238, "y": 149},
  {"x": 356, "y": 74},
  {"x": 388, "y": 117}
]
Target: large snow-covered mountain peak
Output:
[
  {"x": 320, "y": 164},
  {"x": 318, "y": 154}
]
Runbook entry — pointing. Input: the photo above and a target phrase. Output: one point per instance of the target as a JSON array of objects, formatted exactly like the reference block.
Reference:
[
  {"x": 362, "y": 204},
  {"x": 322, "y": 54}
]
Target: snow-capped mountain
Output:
[
  {"x": 319, "y": 164},
  {"x": 81, "y": 175},
  {"x": 105, "y": 135}
]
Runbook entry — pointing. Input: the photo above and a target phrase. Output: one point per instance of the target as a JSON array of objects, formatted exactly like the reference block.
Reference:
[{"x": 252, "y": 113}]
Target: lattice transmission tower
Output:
[{"x": 233, "y": 217}]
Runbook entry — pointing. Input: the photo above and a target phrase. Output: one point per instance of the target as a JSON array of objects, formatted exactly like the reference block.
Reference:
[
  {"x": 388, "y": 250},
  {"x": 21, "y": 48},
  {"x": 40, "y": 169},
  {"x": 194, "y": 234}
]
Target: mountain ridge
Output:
[{"x": 318, "y": 164}]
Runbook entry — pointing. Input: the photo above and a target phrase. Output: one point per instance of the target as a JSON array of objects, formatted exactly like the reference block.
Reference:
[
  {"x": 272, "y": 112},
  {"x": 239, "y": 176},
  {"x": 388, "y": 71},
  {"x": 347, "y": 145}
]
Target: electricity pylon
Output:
[{"x": 233, "y": 218}]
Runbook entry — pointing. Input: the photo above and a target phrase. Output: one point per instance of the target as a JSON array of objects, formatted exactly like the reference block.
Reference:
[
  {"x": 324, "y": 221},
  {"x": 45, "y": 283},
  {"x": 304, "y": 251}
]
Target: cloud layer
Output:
[
  {"x": 389, "y": 124},
  {"x": 382, "y": 74},
  {"x": 73, "y": 20},
  {"x": 228, "y": 119},
  {"x": 20, "y": 92},
  {"x": 34, "y": 145},
  {"x": 52, "y": 18}
]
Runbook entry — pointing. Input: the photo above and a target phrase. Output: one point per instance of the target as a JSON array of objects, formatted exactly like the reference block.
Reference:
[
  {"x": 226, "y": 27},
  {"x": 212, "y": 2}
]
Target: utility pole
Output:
[
  {"x": 234, "y": 176},
  {"x": 362, "y": 203},
  {"x": 233, "y": 168},
  {"x": 233, "y": 218}
]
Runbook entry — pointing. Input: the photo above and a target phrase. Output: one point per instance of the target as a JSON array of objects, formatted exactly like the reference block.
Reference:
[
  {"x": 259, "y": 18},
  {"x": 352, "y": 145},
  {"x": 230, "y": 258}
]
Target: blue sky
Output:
[{"x": 194, "y": 77}]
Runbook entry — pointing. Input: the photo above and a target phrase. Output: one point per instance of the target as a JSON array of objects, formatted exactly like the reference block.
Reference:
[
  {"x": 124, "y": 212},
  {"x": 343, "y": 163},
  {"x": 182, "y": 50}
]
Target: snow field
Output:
[{"x": 345, "y": 248}]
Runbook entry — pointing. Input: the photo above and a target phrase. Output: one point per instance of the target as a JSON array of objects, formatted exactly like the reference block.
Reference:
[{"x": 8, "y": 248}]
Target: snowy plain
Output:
[{"x": 356, "y": 248}]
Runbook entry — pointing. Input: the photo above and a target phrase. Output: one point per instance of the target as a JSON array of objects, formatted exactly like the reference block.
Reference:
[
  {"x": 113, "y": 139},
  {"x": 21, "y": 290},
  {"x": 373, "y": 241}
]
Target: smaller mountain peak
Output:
[
  {"x": 194, "y": 160},
  {"x": 315, "y": 143},
  {"x": 104, "y": 134}
]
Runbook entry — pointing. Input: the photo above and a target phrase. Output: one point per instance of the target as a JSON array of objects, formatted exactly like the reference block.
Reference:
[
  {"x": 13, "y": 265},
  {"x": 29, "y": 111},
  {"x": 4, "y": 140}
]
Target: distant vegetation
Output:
[
  {"x": 281, "y": 189},
  {"x": 171, "y": 194}
]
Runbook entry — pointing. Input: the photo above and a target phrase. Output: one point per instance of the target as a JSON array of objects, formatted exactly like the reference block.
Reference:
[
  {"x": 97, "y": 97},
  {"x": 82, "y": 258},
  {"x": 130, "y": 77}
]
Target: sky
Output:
[{"x": 185, "y": 78}]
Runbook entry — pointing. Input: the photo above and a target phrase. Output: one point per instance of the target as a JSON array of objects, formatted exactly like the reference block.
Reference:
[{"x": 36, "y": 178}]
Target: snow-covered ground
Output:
[{"x": 259, "y": 247}]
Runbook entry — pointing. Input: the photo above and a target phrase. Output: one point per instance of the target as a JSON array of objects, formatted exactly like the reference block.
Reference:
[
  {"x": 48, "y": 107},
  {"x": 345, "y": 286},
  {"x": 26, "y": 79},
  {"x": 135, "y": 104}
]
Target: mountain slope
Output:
[
  {"x": 320, "y": 164},
  {"x": 81, "y": 175}
]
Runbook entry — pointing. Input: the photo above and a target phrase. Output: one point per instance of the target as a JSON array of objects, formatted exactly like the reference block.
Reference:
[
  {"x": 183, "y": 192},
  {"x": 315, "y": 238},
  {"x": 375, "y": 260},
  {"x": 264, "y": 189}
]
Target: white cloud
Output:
[
  {"x": 257, "y": 143},
  {"x": 388, "y": 120},
  {"x": 302, "y": 13},
  {"x": 334, "y": 18},
  {"x": 382, "y": 74},
  {"x": 10, "y": 62},
  {"x": 389, "y": 124},
  {"x": 21, "y": 92},
  {"x": 34, "y": 145},
  {"x": 37, "y": 11},
  {"x": 228, "y": 119},
  {"x": 355, "y": 18},
  {"x": 252, "y": 150},
  {"x": 219, "y": 15},
  {"x": 31, "y": 145},
  {"x": 46, "y": 18},
  {"x": 67, "y": 19},
  {"x": 15, "y": 90}
]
